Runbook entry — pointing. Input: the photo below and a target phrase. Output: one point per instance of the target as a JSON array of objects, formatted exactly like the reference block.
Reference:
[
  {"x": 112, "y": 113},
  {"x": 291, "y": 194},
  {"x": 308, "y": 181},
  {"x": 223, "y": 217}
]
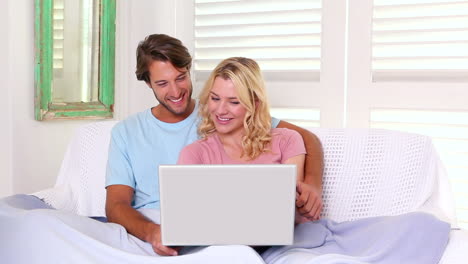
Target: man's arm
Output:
[
  {"x": 309, "y": 202},
  {"x": 299, "y": 162},
  {"x": 120, "y": 211}
]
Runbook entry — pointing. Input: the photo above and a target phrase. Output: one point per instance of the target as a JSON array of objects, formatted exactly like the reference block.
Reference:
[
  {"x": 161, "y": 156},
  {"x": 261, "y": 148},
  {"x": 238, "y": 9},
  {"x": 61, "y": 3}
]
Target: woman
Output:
[
  {"x": 235, "y": 129},
  {"x": 236, "y": 123}
]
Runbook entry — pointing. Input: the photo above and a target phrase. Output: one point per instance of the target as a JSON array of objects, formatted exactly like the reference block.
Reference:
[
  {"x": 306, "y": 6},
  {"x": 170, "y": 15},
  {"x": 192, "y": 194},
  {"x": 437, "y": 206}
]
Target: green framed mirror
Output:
[{"x": 74, "y": 59}]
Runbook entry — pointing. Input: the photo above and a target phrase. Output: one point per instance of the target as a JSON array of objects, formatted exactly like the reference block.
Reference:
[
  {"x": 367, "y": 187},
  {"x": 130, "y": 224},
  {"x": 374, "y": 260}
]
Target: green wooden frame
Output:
[{"x": 45, "y": 109}]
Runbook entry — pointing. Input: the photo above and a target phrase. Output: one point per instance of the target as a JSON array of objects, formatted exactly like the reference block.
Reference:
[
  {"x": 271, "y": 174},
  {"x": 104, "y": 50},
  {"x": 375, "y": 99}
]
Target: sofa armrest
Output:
[{"x": 457, "y": 248}]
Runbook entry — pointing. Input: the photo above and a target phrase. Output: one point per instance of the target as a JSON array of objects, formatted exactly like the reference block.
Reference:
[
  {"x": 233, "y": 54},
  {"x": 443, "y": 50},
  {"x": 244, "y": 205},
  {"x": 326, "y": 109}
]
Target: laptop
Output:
[{"x": 227, "y": 204}]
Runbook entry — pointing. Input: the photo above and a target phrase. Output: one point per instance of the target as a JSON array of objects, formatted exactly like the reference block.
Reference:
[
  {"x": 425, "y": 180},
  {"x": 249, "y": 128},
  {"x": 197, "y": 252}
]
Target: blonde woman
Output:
[{"x": 236, "y": 123}]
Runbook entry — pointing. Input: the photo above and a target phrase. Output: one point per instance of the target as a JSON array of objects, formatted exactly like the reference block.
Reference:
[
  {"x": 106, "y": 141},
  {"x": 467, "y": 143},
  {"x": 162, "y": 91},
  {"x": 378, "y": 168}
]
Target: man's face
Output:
[{"x": 171, "y": 86}]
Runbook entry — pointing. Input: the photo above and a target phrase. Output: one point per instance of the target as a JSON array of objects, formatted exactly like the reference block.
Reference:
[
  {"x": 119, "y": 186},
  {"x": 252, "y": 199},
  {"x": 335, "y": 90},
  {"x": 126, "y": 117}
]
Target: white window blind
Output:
[
  {"x": 58, "y": 18},
  {"x": 283, "y": 36},
  {"x": 420, "y": 40},
  {"x": 303, "y": 117},
  {"x": 414, "y": 43}
]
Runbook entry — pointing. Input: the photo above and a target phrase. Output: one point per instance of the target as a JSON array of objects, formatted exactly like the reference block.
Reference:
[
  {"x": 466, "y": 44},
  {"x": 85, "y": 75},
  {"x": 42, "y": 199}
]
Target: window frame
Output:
[{"x": 44, "y": 107}]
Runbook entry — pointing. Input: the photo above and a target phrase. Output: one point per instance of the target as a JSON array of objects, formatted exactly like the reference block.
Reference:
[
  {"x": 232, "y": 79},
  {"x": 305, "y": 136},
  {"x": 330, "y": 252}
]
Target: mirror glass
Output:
[{"x": 76, "y": 32}]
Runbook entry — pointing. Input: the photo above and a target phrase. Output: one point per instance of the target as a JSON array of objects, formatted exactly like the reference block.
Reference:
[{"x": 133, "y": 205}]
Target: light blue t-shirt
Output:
[{"x": 139, "y": 144}]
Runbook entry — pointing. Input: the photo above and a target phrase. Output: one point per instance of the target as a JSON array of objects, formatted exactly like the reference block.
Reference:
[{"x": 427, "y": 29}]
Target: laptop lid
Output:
[{"x": 227, "y": 204}]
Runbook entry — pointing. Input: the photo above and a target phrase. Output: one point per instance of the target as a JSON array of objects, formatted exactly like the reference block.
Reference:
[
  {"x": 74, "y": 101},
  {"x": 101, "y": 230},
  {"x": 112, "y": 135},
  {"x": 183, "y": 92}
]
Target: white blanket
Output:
[
  {"x": 412, "y": 238},
  {"x": 46, "y": 235},
  {"x": 33, "y": 232}
]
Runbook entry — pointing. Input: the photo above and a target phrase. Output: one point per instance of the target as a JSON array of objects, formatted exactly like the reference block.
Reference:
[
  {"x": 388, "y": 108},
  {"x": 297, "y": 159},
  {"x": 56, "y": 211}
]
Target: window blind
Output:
[
  {"x": 420, "y": 40},
  {"x": 283, "y": 36},
  {"x": 303, "y": 117},
  {"x": 426, "y": 41},
  {"x": 58, "y": 32}
]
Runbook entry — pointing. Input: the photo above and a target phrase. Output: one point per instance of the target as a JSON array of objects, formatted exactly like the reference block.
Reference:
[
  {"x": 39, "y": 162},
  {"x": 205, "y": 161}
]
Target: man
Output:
[{"x": 156, "y": 136}]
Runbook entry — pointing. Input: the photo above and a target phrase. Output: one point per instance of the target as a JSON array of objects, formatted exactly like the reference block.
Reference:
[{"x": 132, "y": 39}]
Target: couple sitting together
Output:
[
  {"x": 229, "y": 124},
  {"x": 232, "y": 119}
]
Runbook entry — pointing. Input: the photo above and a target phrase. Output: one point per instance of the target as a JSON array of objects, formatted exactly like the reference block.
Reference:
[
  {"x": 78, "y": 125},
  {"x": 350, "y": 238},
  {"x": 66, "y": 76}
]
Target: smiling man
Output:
[
  {"x": 143, "y": 141},
  {"x": 172, "y": 88}
]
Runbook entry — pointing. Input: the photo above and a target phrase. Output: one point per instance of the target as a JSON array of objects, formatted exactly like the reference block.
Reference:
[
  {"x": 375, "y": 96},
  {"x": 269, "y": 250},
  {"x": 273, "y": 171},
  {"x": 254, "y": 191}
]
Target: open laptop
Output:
[{"x": 227, "y": 204}]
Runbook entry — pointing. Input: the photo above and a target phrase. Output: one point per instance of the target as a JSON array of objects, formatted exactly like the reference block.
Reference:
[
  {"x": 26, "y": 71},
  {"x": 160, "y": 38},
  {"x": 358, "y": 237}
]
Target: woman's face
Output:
[{"x": 225, "y": 108}]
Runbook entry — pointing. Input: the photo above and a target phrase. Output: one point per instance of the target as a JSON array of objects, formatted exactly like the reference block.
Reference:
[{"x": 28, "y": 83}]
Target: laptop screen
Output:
[{"x": 227, "y": 204}]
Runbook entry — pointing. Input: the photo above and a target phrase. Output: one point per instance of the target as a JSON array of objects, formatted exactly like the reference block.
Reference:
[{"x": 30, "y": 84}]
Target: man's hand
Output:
[
  {"x": 309, "y": 201},
  {"x": 154, "y": 238},
  {"x": 120, "y": 211}
]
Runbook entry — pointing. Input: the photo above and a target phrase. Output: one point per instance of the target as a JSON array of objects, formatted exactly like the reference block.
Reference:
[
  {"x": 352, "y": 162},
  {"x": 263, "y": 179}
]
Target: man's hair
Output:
[
  {"x": 160, "y": 47},
  {"x": 247, "y": 78}
]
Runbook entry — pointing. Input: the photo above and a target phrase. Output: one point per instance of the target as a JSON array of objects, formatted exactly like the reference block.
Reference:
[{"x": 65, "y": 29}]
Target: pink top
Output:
[{"x": 285, "y": 144}]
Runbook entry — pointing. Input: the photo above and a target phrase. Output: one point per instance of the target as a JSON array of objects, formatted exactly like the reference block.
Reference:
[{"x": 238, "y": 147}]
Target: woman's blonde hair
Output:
[{"x": 250, "y": 87}]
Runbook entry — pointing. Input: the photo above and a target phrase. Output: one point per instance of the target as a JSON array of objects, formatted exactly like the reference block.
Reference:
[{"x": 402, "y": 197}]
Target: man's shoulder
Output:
[
  {"x": 131, "y": 122},
  {"x": 136, "y": 117}
]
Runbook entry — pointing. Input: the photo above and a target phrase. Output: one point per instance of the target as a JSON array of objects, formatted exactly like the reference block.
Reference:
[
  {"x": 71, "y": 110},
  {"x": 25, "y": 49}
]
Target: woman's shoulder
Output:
[
  {"x": 284, "y": 137},
  {"x": 283, "y": 132},
  {"x": 202, "y": 145},
  {"x": 288, "y": 142},
  {"x": 199, "y": 152}
]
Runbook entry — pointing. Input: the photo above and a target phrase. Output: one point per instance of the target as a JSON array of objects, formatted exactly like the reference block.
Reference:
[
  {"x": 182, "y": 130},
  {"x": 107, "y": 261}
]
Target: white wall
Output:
[
  {"x": 32, "y": 151},
  {"x": 5, "y": 106}
]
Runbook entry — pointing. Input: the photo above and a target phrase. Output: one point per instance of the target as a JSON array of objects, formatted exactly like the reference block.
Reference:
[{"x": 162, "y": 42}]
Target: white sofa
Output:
[{"x": 368, "y": 172}]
